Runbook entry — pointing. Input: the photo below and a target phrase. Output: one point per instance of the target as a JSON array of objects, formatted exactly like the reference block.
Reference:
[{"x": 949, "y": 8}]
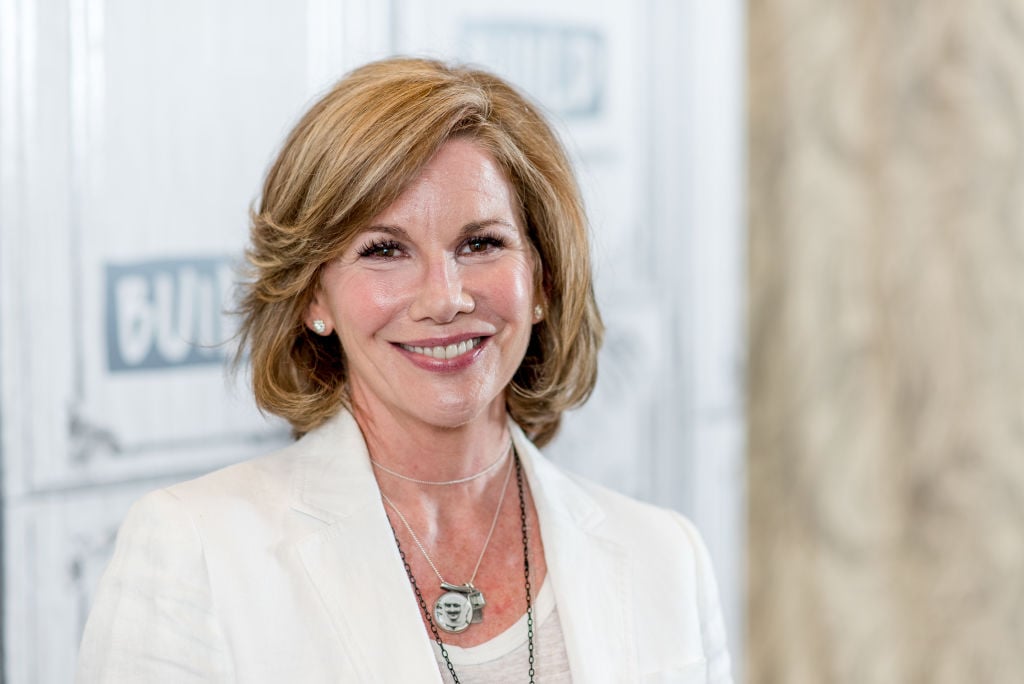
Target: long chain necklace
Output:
[
  {"x": 445, "y": 483},
  {"x": 460, "y": 605},
  {"x": 526, "y": 573}
]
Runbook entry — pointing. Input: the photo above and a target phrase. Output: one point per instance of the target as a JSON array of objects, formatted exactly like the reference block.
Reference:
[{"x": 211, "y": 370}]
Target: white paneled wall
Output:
[{"x": 133, "y": 137}]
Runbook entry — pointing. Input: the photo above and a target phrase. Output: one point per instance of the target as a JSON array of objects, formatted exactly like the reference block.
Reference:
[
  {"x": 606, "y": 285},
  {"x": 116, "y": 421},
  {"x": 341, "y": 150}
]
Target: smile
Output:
[{"x": 445, "y": 352}]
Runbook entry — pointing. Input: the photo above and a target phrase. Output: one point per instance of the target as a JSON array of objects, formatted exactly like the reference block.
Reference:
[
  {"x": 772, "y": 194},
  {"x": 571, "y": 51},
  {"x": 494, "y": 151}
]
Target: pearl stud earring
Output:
[
  {"x": 538, "y": 313},
  {"x": 319, "y": 327}
]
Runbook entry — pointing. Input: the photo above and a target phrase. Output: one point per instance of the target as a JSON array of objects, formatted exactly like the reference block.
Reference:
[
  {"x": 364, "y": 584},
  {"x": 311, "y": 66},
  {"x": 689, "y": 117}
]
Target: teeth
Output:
[{"x": 449, "y": 352}]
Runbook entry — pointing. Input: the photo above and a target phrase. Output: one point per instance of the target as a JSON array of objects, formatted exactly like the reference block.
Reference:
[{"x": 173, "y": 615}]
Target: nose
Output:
[{"x": 441, "y": 295}]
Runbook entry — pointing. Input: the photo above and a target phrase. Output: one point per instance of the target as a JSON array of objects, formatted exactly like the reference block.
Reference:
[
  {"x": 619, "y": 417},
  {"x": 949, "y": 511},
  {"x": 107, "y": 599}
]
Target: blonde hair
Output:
[{"x": 348, "y": 159}]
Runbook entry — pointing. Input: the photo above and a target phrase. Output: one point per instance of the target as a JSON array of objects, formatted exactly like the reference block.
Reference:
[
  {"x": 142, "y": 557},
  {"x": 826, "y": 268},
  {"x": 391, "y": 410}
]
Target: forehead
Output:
[{"x": 461, "y": 179}]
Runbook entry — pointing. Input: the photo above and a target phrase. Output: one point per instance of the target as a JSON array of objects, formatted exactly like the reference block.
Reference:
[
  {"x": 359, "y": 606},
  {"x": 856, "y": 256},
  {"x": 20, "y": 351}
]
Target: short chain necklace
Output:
[
  {"x": 526, "y": 573},
  {"x": 445, "y": 483},
  {"x": 460, "y": 605}
]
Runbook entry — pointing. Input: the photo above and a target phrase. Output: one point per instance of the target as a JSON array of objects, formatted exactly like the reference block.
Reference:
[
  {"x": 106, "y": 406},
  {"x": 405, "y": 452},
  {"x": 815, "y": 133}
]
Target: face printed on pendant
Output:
[
  {"x": 453, "y": 612},
  {"x": 434, "y": 301}
]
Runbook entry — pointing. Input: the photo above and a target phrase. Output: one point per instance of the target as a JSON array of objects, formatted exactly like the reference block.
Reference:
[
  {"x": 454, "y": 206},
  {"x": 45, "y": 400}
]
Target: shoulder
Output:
[
  {"x": 282, "y": 494},
  {"x": 247, "y": 503},
  {"x": 629, "y": 512},
  {"x": 265, "y": 479},
  {"x": 646, "y": 546},
  {"x": 613, "y": 514},
  {"x": 663, "y": 544},
  {"x": 172, "y": 526}
]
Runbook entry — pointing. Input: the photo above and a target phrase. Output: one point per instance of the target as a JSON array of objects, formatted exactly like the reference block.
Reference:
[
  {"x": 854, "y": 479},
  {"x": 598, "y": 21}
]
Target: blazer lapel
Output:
[
  {"x": 589, "y": 573},
  {"x": 353, "y": 561},
  {"x": 357, "y": 570}
]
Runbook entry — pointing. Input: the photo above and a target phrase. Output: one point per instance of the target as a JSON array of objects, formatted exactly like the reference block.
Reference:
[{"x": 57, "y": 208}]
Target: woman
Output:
[{"x": 421, "y": 312}]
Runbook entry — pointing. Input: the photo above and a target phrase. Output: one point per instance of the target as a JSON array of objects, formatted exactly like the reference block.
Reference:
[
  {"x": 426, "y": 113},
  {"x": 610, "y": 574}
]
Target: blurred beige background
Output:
[{"x": 886, "y": 314}]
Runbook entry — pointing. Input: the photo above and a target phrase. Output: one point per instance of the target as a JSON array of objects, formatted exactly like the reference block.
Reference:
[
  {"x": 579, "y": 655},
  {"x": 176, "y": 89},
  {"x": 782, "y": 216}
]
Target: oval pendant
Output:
[{"x": 453, "y": 612}]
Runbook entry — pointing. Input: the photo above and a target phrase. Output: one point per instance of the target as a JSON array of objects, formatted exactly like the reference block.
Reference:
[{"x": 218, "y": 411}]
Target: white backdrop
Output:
[{"x": 133, "y": 136}]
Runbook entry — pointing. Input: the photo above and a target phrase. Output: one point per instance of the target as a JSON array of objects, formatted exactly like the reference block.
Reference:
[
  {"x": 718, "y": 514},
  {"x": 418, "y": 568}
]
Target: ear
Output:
[
  {"x": 318, "y": 315},
  {"x": 540, "y": 310}
]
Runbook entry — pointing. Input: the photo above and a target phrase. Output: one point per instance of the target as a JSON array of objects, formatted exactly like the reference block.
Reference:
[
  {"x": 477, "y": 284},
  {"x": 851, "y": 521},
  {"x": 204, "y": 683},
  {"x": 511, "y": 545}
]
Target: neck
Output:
[{"x": 422, "y": 451}]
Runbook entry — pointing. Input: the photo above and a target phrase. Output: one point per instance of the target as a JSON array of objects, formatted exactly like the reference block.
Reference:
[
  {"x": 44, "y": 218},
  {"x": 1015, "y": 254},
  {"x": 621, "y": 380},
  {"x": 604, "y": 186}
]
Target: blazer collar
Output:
[
  {"x": 334, "y": 478},
  {"x": 353, "y": 562},
  {"x": 589, "y": 572},
  {"x": 359, "y": 573}
]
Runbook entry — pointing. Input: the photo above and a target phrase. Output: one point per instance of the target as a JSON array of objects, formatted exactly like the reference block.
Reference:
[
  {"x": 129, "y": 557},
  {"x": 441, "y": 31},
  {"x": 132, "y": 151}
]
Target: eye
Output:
[
  {"x": 380, "y": 249},
  {"x": 481, "y": 244}
]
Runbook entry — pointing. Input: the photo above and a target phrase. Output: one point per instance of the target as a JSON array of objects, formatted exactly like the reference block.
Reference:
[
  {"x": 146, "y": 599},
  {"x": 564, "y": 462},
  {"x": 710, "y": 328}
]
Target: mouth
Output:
[{"x": 443, "y": 352}]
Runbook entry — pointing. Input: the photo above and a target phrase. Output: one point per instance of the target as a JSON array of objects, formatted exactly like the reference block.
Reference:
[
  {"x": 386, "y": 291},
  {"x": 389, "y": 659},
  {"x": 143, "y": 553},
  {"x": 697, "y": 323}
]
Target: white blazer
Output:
[{"x": 284, "y": 569}]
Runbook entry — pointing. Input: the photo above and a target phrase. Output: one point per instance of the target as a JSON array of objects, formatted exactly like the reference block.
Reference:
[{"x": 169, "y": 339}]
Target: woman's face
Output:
[{"x": 434, "y": 301}]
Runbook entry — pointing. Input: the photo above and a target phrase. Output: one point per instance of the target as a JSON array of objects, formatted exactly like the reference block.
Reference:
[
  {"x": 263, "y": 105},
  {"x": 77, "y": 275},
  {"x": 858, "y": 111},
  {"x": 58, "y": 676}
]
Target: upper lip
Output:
[{"x": 442, "y": 341}]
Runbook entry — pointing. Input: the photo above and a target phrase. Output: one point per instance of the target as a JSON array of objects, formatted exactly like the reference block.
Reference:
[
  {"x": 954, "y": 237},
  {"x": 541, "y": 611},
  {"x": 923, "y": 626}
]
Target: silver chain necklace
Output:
[
  {"x": 445, "y": 483},
  {"x": 526, "y": 574},
  {"x": 459, "y": 605}
]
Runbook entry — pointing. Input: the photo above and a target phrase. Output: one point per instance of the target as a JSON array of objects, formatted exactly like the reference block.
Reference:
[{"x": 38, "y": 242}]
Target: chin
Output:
[
  {"x": 455, "y": 411},
  {"x": 452, "y": 418}
]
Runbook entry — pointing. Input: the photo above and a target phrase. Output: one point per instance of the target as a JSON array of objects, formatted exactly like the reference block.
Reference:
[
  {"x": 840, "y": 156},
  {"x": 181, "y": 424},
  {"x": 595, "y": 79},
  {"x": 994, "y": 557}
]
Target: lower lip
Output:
[{"x": 444, "y": 365}]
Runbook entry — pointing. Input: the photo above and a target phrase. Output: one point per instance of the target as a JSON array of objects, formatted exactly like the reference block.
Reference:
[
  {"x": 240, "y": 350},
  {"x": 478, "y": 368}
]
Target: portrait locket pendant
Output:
[{"x": 460, "y": 606}]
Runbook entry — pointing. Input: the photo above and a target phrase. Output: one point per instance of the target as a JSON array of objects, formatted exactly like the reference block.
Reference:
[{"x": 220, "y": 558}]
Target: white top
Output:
[{"x": 505, "y": 658}]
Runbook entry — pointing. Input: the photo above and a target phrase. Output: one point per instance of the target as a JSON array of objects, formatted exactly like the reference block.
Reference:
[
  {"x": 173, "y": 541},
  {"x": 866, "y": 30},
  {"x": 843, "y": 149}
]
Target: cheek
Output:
[
  {"x": 513, "y": 294},
  {"x": 363, "y": 305}
]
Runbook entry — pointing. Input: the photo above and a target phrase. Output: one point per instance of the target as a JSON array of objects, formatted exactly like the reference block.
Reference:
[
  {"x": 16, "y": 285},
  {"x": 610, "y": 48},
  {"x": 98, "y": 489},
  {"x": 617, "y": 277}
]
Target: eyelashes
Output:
[
  {"x": 386, "y": 248},
  {"x": 382, "y": 249},
  {"x": 482, "y": 242}
]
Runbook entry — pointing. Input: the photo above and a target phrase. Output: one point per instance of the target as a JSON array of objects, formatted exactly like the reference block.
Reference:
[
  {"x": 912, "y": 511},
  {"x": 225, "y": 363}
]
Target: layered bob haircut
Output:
[{"x": 348, "y": 159}]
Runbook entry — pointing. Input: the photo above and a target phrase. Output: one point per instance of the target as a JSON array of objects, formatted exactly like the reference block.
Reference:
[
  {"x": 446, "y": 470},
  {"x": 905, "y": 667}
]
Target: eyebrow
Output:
[
  {"x": 477, "y": 226},
  {"x": 469, "y": 229},
  {"x": 394, "y": 231}
]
